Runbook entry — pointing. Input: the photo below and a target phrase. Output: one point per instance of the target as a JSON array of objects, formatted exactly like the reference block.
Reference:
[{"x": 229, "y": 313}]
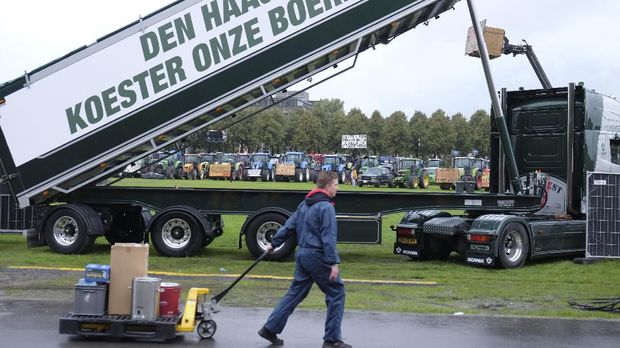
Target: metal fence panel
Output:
[{"x": 603, "y": 216}]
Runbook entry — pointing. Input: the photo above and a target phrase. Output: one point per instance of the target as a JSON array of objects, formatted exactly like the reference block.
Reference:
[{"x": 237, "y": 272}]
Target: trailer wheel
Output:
[
  {"x": 261, "y": 230},
  {"x": 177, "y": 234},
  {"x": 66, "y": 232},
  {"x": 514, "y": 246},
  {"x": 206, "y": 328}
]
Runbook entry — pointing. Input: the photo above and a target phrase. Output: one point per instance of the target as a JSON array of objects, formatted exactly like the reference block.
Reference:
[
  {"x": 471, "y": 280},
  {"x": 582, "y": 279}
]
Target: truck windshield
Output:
[
  {"x": 228, "y": 159},
  {"x": 293, "y": 157},
  {"x": 434, "y": 163},
  {"x": 258, "y": 158},
  {"x": 191, "y": 158},
  {"x": 331, "y": 160},
  {"x": 462, "y": 163}
]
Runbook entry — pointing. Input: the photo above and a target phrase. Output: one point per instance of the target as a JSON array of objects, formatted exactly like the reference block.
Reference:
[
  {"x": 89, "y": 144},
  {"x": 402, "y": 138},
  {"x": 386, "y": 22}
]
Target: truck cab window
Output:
[{"x": 614, "y": 145}]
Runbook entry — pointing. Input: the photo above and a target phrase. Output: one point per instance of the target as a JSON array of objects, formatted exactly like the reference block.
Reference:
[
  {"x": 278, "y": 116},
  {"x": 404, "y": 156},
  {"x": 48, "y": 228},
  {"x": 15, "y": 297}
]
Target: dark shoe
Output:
[
  {"x": 270, "y": 336},
  {"x": 336, "y": 344}
]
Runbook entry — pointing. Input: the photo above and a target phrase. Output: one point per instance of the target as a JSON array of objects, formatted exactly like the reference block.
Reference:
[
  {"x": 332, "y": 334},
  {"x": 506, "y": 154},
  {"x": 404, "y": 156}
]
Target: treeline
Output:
[{"x": 320, "y": 128}]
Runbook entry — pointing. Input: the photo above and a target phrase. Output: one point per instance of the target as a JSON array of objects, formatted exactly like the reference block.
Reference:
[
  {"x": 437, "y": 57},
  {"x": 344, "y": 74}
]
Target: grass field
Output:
[{"x": 540, "y": 288}]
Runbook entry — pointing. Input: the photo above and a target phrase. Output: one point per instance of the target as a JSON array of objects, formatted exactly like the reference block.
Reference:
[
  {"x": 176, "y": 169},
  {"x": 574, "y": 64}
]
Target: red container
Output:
[{"x": 169, "y": 299}]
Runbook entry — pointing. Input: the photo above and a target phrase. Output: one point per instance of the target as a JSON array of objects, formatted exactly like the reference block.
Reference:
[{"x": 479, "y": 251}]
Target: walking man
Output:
[{"x": 316, "y": 261}]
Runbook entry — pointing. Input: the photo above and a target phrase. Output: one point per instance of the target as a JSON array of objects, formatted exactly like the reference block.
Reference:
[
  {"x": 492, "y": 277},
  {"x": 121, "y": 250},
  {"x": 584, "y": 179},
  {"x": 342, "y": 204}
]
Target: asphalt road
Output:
[{"x": 35, "y": 324}]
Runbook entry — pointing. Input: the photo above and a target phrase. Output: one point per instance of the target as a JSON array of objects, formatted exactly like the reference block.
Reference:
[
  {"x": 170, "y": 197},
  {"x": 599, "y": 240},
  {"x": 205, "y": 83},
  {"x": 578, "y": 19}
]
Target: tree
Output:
[
  {"x": 270, "y": 128},
  {"x": 307, "y": 136},
  {"x": 418, "y": 126},
  {"x": 441, "y": 136},
  {"x": 375, "y": 131},
  {"x": 330, "y": 112},
  {"x": 479, "y": 131},
  {"x": 396, "y": 134},
  {"x": 462, "y": 141}
]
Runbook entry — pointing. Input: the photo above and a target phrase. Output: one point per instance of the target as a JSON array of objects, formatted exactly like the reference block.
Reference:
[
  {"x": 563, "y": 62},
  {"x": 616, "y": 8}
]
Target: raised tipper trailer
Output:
[{"x": 150, "y": 84}]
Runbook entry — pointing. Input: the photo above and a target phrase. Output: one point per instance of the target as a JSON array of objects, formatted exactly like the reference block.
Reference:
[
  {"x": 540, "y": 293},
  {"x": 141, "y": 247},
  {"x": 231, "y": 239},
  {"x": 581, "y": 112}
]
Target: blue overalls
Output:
[{"x": 315, "y": 223}]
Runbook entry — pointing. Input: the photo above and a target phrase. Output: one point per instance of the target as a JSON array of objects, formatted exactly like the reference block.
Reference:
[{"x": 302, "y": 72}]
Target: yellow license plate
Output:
[{"x": 408, "y": 240}]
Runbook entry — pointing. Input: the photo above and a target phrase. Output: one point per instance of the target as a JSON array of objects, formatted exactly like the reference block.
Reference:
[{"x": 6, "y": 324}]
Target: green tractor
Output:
[
  {"x": 367, "y": 162},
  {"x": 411, "y": 173}
]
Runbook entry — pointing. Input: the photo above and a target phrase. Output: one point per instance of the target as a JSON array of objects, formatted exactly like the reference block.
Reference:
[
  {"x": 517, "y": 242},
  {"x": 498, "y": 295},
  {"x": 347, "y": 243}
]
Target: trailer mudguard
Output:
[
  {"x": 94, "y": 225},
  {"x": 257, "y": 213},
  {"x": 195, "y": 213}
]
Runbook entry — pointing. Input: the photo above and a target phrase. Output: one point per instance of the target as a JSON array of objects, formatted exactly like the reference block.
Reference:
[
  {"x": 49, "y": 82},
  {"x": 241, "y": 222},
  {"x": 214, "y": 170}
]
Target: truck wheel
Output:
[
  {"x": 514, "y": 246},
  {"x": 299, "y": 175},
  {"x": 342, "y": 177},
  {"x": 261, "y": 230},
  {"x": 66, "y": 232},
  {"x": 177, "y": 234}
]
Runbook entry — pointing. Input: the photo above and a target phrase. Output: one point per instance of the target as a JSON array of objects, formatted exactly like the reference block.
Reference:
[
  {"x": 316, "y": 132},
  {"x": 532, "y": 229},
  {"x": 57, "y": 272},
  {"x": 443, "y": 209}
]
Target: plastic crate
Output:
[{"x": 90, "y": 298}]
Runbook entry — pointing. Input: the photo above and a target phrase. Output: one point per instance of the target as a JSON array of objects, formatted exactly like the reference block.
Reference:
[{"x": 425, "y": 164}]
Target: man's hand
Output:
[
  {"x": 269, "y": 248},
  {"x": 333, "y": 275}
]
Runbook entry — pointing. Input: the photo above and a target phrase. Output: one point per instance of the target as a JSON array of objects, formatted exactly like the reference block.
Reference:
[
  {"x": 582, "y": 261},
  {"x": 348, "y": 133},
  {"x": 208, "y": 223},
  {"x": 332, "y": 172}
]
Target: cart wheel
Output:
[{"x": 206, "y": 328}]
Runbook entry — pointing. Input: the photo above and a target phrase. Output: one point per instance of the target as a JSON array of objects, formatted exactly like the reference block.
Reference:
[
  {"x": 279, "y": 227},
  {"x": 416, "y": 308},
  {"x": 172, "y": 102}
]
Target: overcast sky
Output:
[{"x": 424, "y": 69}]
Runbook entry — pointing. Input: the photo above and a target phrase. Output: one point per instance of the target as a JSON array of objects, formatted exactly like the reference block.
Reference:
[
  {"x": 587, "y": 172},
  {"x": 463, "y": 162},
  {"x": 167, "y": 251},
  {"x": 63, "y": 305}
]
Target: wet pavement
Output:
[{"x": 35, "y": 324}]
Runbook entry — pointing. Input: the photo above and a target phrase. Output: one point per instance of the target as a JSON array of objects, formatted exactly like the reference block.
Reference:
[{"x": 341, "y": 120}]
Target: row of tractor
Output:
[{"x": 294, "y": 166}]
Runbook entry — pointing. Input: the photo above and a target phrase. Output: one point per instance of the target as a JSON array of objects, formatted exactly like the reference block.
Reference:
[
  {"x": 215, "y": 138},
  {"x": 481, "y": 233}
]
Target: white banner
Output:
[
  {"x": 106, "y": 85},
  {"x": 356, "y": 141}
]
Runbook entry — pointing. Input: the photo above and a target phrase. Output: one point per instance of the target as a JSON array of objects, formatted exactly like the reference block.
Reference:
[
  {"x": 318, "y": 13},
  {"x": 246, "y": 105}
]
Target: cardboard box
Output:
[
  {"x": 494, "y": 38},
  {"x": 127, "y": 261}
]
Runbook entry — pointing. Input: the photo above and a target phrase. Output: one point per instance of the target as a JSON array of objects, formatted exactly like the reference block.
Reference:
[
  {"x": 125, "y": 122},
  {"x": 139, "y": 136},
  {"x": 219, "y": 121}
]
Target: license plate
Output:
[{"x": 407, "y": 240}]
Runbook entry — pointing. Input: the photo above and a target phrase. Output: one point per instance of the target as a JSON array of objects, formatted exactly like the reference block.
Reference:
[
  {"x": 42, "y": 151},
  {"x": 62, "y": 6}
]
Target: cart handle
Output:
[{"x": 220, "y": 295}]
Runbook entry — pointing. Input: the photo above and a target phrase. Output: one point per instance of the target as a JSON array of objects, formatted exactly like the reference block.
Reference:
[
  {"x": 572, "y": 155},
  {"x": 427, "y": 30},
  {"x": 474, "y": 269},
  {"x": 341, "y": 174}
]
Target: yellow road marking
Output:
[{"x": 234, "y": 276}]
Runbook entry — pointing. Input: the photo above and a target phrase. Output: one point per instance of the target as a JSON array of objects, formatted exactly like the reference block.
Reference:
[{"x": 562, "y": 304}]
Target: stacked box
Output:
[
  {"x": 127, "y": 261},
  {"x": 97, "y": 273},
  {"x": 90, "y": 298}
]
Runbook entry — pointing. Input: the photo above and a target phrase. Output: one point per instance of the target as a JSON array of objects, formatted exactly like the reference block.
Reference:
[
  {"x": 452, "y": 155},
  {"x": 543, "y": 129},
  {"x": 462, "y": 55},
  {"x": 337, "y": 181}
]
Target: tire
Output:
[
  {"x": 177, "y": 234},
  {"x": 306, "y": 175},
  {"x": 514, "y": 246},
  {"x": 342, "y": 177},
  {"x": 264, "y": 175},
  {"x": 206, "y": 328},
  {"x": 415, "y": 183},
  {"x": 425, "y": 180},
  {"x": 299, "y": 175},
  {"x": 445, "y": 186},
  {"x": 261, "y": 230},
  {"x": 66, "y": 232}
]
